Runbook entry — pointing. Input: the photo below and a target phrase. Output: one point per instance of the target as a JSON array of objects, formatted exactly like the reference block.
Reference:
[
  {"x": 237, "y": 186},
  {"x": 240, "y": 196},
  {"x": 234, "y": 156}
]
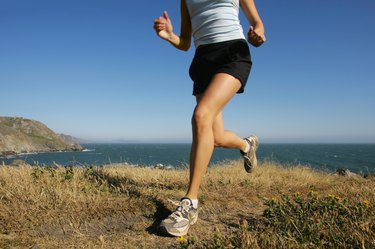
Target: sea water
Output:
[{"x": 358, "y": 158}]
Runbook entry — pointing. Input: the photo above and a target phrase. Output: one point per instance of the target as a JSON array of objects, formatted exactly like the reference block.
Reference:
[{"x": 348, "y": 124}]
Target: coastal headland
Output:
[{"x": 20, "y": 135}]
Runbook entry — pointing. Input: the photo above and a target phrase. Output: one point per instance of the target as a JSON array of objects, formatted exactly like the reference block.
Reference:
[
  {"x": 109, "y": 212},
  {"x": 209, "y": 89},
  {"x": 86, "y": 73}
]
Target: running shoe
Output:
[
  {"x": 250, "y": 158},
  {"x": 179, "y": 222}
]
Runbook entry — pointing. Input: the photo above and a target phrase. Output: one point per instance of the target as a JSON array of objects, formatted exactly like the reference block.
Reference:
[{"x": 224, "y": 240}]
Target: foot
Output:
[
  {"x": 179, "y": 222},
  {"x": 250, "y": 158}
]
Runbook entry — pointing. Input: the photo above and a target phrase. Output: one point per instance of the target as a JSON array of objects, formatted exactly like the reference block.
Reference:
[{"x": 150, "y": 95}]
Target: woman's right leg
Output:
[{"x": 221, "y": 89}]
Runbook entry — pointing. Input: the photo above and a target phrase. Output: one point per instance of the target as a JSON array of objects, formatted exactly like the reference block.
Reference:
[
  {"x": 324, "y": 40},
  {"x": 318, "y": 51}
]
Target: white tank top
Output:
[{"x": 214, "y": 21}]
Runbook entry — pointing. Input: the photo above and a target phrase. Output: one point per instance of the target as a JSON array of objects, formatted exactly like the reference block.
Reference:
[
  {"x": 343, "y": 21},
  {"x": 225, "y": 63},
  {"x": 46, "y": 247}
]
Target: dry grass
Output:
[{"x": 118, "y": 206}]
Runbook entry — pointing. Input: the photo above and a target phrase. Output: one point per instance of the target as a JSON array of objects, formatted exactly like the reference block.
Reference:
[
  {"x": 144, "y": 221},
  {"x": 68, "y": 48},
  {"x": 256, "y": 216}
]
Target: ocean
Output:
[{"x": 359, "y": 158}]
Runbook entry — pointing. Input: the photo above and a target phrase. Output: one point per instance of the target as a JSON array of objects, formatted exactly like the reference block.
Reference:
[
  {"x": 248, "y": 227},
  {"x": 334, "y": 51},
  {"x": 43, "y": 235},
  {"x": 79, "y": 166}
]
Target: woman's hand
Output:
[
  {"x": 256, "y": 36},
  {"x": 163, "y": 27}
]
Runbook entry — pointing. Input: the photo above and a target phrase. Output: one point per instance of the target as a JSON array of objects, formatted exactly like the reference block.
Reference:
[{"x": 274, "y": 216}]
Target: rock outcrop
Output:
[{"x": 20, "y": 135}]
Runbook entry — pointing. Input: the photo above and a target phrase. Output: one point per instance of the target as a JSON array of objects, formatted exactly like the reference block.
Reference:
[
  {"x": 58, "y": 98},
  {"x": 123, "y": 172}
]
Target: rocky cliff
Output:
[{"x": 19, "y": 135}]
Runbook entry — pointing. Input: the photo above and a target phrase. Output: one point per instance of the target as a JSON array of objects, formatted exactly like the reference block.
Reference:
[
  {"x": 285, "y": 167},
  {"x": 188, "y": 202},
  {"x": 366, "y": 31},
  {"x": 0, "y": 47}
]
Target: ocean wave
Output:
[{"x": 27, "y": 153}]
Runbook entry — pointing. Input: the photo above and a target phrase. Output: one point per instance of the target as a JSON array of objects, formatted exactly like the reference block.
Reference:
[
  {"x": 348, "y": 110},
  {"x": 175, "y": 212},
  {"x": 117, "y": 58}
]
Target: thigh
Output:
[{"x": 221, "y": 90}]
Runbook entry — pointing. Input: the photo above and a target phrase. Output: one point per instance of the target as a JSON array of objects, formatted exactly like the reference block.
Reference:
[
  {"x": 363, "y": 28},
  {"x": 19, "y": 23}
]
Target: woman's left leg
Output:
[
  {"x": 224, "y": 138},
  {"x": 208, "y": 111}
]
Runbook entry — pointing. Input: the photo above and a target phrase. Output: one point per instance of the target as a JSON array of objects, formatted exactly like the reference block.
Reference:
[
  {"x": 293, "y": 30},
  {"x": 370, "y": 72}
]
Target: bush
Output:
[{"x": 315, "y": 221}]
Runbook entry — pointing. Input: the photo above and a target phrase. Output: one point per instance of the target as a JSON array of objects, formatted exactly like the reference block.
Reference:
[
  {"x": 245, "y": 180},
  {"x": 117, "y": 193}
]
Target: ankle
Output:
[
  {"x": 193, "y": 201},
  {"x": 246, "y": 148}
]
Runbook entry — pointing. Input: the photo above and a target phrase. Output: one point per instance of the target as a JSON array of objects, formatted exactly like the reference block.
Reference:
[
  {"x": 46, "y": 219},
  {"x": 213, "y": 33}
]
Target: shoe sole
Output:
[{"x": 182, "y": 233}]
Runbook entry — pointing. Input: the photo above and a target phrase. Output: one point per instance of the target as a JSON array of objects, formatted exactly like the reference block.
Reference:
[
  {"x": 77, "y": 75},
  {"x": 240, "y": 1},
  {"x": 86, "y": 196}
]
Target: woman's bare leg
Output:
[
  {"x": 224, "y": 138},
  {"x": 207, "y": 119}
]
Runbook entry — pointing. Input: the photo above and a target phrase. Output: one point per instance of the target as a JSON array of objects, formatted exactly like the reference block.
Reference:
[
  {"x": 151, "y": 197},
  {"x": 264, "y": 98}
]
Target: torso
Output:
[{"x": 214, "y": 21}]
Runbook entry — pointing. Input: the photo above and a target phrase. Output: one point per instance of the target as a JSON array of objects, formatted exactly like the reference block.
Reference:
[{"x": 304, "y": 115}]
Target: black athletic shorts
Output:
[{"x": 231, "y": 57}]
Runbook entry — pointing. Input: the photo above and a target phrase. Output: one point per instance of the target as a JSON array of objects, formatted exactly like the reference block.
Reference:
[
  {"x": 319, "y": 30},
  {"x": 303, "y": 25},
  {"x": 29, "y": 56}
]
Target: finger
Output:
[
  {"x": 162, "y": 19},
  {"x": 252, "y": 37},
  {"x": 253, "y": 40},
  {"x": 160, "y": 28},
  {"x": 157, "y": 24},
  {"x": 255, "y": 34},
  {"x": 166, "y": 16},
  {"x": 160, "y": 22},
  {"x": 157, "y": 27},
  {"x": 259, "y": 33},
  {"x": 257, "y": 38},
  {"x": 157, "y": 21}
]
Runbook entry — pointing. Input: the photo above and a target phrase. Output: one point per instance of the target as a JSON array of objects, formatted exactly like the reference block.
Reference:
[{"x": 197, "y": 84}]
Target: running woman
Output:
[{"x": 219, "y": 70}]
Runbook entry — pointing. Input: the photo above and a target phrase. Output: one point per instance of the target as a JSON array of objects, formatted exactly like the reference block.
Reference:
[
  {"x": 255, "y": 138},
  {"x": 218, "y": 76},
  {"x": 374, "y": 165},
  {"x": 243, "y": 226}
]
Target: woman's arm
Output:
[
  {"x": 164, "y": 29},
  {"x": 256, "y": 32}
]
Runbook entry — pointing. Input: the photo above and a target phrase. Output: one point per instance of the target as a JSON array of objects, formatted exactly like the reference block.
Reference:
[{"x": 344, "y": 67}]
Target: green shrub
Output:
[{"x": 318, "y": 221}]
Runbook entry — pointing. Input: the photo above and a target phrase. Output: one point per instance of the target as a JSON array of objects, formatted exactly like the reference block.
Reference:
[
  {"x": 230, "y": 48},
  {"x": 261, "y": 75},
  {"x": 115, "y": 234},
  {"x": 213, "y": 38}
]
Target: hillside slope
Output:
[{"x": 19, "y": 135}]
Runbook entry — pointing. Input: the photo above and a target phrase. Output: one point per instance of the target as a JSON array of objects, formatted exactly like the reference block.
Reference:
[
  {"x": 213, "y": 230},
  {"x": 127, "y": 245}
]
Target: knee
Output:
[{"x": 201, "y": 117}]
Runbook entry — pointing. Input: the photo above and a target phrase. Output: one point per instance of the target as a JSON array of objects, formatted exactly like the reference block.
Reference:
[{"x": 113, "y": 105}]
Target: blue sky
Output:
[{"x": 96, "y": 70}]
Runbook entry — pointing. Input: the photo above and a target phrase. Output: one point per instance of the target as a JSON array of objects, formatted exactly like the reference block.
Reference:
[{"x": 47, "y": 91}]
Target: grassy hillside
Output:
[
  {"x": 118, "y": 206},
  {"x": 24, "y": 135}
]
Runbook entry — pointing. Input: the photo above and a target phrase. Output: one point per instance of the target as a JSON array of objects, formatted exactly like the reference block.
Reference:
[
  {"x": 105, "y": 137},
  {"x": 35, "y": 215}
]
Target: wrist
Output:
[
  {"x": 171, "y": 37},
  {"x": 258, "y": 25}
]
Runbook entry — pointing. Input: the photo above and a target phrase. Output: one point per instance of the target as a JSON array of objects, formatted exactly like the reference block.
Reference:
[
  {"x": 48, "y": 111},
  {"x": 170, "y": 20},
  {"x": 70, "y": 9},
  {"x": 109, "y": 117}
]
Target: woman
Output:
[{"x": 219, "y": 70}]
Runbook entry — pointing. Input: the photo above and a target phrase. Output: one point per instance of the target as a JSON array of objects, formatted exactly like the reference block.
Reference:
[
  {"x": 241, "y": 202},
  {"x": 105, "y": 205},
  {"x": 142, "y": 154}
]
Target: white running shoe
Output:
[
  {"x": 179, "y": 222},
  {"x": 250, "y": 158}
]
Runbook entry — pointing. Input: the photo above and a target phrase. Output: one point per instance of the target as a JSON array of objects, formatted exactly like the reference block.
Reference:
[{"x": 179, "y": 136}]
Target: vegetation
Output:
[{"x": 119, "y": 206}]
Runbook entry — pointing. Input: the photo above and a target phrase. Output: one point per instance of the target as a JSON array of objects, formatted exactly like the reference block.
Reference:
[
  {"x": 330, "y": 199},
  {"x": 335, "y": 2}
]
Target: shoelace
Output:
[{"x": 182, "y": 208}]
